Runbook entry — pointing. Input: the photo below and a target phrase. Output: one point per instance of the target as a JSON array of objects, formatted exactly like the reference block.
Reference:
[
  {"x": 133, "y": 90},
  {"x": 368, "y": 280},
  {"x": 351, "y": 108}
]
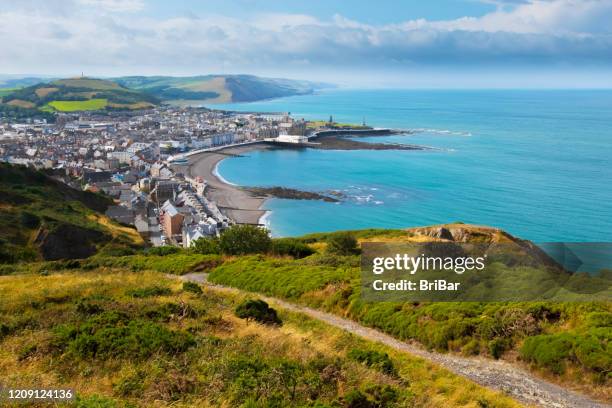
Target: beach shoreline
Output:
[{"x": 235, "y": 202}]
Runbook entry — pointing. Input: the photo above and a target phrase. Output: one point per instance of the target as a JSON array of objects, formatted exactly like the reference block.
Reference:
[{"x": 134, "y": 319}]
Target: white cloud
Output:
[
  {"x": 120, "y": 39},
  {"x": 114, "y": 6}
]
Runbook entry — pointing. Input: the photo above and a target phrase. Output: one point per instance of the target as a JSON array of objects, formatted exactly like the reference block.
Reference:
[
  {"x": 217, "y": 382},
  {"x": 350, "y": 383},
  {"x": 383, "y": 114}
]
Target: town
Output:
[{"x": 138, "y": 159}]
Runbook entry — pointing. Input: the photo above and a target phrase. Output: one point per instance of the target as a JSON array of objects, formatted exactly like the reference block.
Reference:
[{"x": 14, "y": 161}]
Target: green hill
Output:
[
  {"x": 77, "y": 94},
  {"x": 218, "y": 88},
  {"x": 44, "y": 219}
]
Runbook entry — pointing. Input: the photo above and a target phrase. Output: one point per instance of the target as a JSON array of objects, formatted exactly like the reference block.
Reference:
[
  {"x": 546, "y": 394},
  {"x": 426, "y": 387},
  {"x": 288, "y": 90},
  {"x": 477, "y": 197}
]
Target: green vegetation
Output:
[
  {"x": 342, "y": 244},
  {"x": 373, "y": 358},
  {"x": 290, "y": 247},
  {"x": 580, "y": 332},
  {"x": 76, "y": 94},
  {"x": 72, "y": 106},
  {"x": 257, "y": 310},
  {"x": 41, "y": 218},
  {"x": 192, "y": 287},
  {"x": 244, "y": 239},
  {"x": 85, "y": 330},
  {"x": 220, "y": 88}
]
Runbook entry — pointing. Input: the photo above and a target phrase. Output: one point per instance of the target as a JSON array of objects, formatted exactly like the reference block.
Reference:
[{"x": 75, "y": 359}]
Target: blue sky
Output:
[
  {"x": 371, "y": 12},
  {"x": 376, "y": 43}
]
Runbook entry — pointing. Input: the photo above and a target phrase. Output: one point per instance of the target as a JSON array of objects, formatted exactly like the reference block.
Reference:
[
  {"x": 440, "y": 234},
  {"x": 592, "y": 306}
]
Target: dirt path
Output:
[{"x": 497, "y": 375}]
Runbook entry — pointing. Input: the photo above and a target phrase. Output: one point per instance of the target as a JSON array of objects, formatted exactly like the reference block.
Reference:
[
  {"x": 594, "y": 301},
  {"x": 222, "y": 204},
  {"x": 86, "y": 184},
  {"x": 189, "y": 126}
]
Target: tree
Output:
[
  {"x": 244, "y": 239},
  {"x": 206, "y": 246},
  {"x": 343, "y": 243}
]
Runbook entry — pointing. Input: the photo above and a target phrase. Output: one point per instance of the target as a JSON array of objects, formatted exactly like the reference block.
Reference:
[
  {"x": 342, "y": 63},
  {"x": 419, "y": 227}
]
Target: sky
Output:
[{"x": 356, "y": 43}]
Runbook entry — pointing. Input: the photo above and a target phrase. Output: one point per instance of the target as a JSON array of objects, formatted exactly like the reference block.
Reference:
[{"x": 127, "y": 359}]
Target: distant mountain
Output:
[
  {"x": 78, "y": 94},
  {"x": 44, "y": 219},
  {"x": 218, "y": 88}
]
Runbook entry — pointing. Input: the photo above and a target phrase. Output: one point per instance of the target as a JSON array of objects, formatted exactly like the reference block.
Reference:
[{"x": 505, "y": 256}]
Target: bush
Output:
[
  {"x": 149, "y": 292},
  {"x": 192, "y": 287},
  {"x": 163, "y": 250},
  {"x": 548, "y": 351},
  {"x": 374, "y": 359},
  {"x": 244, "y": 239},
  {"x": 113, "y": 334},
  {"x": 206, "y": 246},
  {"x": 290, "y": 246},
  {"x": 257, "y": 310},
  {"x": 497, "y": 347},
  {"x": 343, "y": 243}
]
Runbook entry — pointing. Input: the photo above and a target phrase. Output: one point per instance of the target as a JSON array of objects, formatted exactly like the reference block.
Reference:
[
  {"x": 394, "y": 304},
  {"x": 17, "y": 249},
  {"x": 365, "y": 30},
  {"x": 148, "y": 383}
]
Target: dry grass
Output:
[{"x": 50, "y": 300}]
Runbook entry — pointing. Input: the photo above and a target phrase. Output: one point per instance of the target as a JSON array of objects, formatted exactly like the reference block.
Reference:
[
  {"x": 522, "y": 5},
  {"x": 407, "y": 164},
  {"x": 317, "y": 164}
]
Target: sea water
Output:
[{"x": 535, "y": 163}]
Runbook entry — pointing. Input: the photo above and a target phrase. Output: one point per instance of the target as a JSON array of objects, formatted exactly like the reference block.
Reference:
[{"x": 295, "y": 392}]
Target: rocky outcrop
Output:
[
  {"x": 498, "y": 242},
  {"x": 292, "y": 194}
]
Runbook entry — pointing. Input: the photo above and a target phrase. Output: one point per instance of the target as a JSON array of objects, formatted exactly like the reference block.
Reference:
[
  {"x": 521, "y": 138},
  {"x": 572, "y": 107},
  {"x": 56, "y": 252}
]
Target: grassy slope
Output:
[
  {"x": 566, "y": 342},
  {"x": 217, "y": 88},
  {"x": 76, "y": 94},
  {"x": 138, "y": 339},
  {"x": 31, "y": 201}
]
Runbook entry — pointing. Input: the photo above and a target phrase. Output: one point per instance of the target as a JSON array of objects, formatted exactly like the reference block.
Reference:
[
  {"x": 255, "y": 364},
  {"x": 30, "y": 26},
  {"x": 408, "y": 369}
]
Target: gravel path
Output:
[{"x": 497, "y": 375}]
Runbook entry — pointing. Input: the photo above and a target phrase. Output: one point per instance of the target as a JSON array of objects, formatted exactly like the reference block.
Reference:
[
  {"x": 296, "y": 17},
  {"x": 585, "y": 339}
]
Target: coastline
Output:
[{"x": 236, "y": 203}]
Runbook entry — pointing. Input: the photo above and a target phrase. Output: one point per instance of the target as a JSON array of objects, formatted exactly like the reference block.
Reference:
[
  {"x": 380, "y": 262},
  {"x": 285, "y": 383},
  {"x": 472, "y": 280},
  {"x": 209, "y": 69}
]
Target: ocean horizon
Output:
[{"x": 535, "y": 163}]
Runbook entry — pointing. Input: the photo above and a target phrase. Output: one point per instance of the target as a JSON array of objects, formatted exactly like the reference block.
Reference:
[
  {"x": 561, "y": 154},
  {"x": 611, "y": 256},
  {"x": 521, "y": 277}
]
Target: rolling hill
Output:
[
  {"x": 218, "y": 88},
  {"x": 44, "y": 219},
  {"x": 78, "y": 94}
]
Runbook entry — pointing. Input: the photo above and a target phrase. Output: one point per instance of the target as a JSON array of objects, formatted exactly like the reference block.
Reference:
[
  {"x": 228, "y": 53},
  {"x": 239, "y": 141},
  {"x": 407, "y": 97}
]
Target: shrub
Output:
[
  {"x": 192, "y": 287},
  {"x": 149, "y": 291},
  {"x": 497, "y": 347},
  {"x": 244, "y": 239},
  {"x": 206, "y": 246},
  {"x": 257, "y": 310},
  {"x": 374, "y": 359},
  {"x": 292, "y": 247},
  {"x": 343, "y": 243},
  {"x": 548, "y": 351},
  {"x": 357, "y": 399},
  {"x": 113, "y": 334},
  {"x": 163, "y": 250}
]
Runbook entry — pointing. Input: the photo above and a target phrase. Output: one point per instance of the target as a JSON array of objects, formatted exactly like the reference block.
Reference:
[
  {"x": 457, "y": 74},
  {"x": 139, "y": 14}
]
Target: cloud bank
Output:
[{"x": 117, "y": 37}]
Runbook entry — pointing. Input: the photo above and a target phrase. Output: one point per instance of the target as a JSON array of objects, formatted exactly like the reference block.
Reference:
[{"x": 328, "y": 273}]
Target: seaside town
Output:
[{"x": 139, "y": 159}]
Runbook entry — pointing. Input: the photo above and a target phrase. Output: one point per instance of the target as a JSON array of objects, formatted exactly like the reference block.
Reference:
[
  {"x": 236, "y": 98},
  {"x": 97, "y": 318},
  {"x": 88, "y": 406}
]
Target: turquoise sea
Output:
[{"x": 535, "y": 163}]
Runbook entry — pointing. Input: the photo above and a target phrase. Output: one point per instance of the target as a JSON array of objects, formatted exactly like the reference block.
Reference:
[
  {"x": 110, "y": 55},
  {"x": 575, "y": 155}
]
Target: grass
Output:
[
  {"x": 31, "y": 203},
  {"x": 86, "y": 330},
  {"x": 73, "y": 106},
  {"x": 518, "y": 332}
]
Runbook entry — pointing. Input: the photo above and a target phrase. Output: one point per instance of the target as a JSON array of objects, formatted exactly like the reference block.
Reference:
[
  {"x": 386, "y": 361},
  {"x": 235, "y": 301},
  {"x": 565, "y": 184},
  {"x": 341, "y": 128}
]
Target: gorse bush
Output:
[
  {"x": 192, "y": 287},
  {"x": 149, "y": 291},
  {"x": 113, "y": 334},
  {"x": 206, "y": 246},
  {"x": 342, "y": 244},
  {"x": 244, "y": 239},
  {"x": 372, "y": 358},
  {"x": 163, "y": 250},
  {"x": 257, "y": 310},
  {"x": 554, "y": 351},
  {"x": 291, "y": 247}
]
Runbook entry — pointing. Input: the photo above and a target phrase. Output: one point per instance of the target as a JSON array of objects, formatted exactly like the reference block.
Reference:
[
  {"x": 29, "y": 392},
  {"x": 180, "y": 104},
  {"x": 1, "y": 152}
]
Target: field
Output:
[
  {"x": 6, "y": 91},
  {"x": 73, "y": 106},
  {"x": 139, "y": 339}
]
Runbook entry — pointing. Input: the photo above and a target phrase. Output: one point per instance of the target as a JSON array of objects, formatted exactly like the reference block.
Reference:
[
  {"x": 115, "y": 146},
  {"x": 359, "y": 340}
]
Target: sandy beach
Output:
[{"x": 236, "y": 203}]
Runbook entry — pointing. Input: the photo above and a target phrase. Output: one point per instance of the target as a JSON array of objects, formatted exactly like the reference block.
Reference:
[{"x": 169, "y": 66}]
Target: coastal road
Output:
[{"x": 497, "y": 375}]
